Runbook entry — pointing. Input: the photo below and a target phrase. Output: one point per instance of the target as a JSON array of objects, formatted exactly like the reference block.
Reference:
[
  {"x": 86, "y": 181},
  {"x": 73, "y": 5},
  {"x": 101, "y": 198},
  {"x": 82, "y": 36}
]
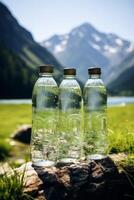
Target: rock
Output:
[
  {"x": 93, "y": 180},
  {"x": 22, "y": 134},
  {"x": 5, "y": 168}
]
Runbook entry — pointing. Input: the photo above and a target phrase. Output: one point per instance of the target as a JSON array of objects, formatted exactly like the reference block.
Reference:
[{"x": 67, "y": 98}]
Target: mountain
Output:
[
  {"x": 85, "y": 46},
  {"x": 16, "y": 78},
  {"x": 121, "y": 82},
  {"x": 21, "y": 50}
]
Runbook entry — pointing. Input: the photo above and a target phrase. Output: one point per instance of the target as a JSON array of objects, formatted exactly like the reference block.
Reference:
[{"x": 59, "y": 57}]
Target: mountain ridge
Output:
[
  {"x": 121, "y": 83},
  {"x": 20, "y": 56},
  {"x": 85, "y": 46},
  {"x": 20, "y": 41}
]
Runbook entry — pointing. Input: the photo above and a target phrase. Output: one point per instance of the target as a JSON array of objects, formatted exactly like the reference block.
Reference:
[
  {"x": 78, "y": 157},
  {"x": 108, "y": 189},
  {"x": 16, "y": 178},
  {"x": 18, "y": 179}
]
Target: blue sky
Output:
[{"x": 47, "y": 17}]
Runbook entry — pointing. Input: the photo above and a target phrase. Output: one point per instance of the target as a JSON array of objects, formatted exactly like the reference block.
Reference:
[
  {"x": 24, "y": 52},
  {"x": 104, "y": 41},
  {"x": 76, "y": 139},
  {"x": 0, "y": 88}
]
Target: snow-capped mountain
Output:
[{"x": 85, "y": 46}]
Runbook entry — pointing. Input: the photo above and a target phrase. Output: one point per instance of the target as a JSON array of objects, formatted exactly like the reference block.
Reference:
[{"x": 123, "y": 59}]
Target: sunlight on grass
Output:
[
  {"x": 121, "y": 129},
  {"x": 120, "y": 126},
  {"x": 11, "y": 116},
  {"x": 12, "y": 186}
]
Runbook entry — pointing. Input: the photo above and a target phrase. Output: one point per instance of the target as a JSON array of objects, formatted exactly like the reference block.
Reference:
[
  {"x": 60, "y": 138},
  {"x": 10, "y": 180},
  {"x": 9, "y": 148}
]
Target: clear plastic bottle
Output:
[
  {"x": 95, "y": 120},
  {"x": 44, "y": 118},
  {"x": 70, "y": 117}
]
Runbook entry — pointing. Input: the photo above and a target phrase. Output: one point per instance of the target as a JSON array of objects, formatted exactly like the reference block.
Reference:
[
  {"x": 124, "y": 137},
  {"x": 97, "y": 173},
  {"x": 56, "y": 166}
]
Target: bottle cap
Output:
[
  {"x": 94, "y": 70},
  {"x": 46, "y": 68},
  {"x": 69, "y": 71}
]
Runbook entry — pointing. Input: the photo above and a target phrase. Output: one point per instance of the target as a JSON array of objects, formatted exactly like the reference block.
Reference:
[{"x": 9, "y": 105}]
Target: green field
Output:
[
  {"x": 11, "y": 116},
  {"x": 120, "y": 128}
]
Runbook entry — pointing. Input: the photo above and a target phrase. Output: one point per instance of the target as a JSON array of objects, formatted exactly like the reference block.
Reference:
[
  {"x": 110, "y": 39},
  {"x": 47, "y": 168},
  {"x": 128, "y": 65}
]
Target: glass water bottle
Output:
[
  {"x": 44, "y": 119},
  {"x": 95, "y": 119},
  {"x": 70, "y": 117}
]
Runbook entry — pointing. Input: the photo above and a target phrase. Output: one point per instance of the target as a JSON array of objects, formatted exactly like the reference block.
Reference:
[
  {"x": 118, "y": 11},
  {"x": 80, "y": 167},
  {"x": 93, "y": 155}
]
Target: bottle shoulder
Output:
[
  {"x": 69, "y": 83},
  {"x": 94, "y": 83},
  {"x": 45, "y": 81},
  {"x": 43, "y": 84}
]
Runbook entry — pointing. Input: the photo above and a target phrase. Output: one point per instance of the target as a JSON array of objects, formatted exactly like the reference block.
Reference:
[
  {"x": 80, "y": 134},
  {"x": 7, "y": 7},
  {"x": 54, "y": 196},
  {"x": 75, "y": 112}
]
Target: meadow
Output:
[
  {"x": 120, "y": 135},
  {"x": 120, "y": 130}
]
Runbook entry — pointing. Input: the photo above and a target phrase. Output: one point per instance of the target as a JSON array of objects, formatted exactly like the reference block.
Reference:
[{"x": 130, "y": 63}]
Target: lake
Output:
[{"x": 112, "y": 101}]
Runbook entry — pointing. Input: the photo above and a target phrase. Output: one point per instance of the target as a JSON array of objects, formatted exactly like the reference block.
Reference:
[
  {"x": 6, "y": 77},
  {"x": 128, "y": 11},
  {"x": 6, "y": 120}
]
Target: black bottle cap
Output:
[
  {"x": 69, "y": 71},
  {"x": 46, "y": 68},
  {"x": 94, "y": 70}
]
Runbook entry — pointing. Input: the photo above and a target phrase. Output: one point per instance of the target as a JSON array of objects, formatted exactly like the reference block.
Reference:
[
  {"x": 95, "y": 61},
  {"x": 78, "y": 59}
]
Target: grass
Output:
[
  {"x": 120, "y": 128},
  {"x": 4, "y": 150},
  {"x": 12, "y": 186},
  {"x": 120, "y": 133},
  {"x": 12, "y": 116}
]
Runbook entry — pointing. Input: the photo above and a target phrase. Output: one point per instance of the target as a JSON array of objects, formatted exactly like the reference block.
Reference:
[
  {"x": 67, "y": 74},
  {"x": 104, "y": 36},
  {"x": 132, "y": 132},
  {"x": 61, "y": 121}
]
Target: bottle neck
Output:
[
  {"x": 69, "y": 76},
  {"x": 45, "y": 74},
  {"x": 94, "y": 76}
]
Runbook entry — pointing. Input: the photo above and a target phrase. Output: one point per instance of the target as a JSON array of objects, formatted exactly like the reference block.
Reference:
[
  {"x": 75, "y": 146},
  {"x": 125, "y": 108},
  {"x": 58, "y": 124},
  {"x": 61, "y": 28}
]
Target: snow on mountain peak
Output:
[
  {"x": 130, "y": 48},
  {"x": 48, "y": 43},
  {"x": 78, "y": 33},
  {"x": 119, "y": 41},
  {"x": 110, "y": 49},
  {"x": 96, "y": 37},
  {"x": 95, "y": 46},
  {"x": 60, "y": 47}
]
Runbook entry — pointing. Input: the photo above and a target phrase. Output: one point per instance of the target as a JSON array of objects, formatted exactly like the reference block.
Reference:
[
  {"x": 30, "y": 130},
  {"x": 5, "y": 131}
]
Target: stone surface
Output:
[
  {"x": 81, "y": 181},
  {"x": 22, "y": 134}
]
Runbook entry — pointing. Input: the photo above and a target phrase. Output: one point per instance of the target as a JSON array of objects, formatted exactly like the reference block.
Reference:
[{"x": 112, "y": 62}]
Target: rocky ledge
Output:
[{"x": 82, "y": 181}]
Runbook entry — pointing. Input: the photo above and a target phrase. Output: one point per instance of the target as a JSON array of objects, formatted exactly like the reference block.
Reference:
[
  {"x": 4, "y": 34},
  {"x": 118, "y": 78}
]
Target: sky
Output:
[{"x": 44, "y": 18}]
